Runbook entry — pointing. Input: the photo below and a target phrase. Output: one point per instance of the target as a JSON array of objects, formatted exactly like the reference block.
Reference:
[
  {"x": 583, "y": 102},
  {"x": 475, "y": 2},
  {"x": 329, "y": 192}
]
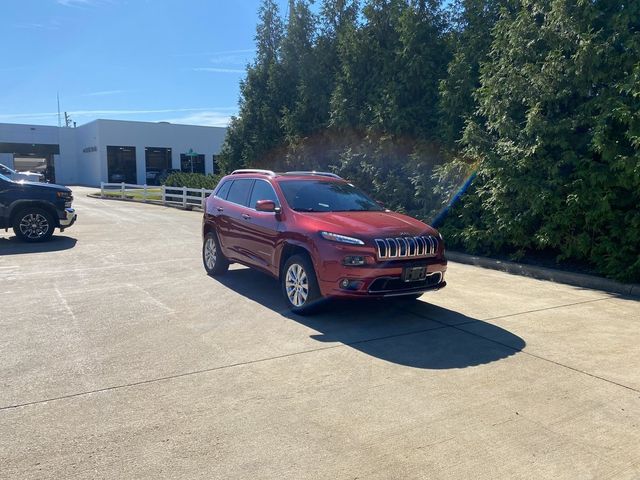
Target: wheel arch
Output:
[
  {"x": 288, "y": 250},
  {"x": 208, "y": 227},
  {"x": 21, "y": 205}
]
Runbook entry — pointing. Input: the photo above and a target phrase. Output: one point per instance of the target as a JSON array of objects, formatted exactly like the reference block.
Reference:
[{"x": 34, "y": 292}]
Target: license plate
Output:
[{"x": 414, "y": 274}]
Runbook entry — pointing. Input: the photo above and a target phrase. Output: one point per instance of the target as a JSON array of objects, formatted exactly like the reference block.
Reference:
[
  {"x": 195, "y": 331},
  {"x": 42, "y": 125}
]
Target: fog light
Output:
[
  {"x": 353, "y": 260},
  {"x": 347, "y": 284}
]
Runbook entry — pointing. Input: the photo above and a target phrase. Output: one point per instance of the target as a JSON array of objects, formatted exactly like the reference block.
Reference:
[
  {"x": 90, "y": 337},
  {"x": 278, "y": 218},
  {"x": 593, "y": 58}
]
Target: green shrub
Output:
[{"x": 192, "y": 180}]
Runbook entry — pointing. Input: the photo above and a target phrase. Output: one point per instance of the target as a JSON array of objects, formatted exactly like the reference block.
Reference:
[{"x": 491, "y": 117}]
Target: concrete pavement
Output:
[{"x": 122, "y": 359}]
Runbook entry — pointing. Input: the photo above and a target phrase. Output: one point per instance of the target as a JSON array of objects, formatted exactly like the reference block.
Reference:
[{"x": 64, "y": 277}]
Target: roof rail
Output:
[
  {"x": 313, "y": 172},
  {"x": 254, "y": 170}
]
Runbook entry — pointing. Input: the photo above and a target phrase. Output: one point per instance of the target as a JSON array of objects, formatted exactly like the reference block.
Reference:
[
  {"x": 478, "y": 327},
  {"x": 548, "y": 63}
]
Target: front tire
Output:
[
  {"x": 33, "y": 225},
  {"x": 214, "y": 261},
  {"x": 299, "y": 285}
]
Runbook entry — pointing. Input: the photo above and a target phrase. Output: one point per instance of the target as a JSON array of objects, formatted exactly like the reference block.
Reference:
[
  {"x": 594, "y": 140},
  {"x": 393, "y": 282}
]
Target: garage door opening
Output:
[
  {"x": 158, "y": 161},
  {"x": 121, "y": 164},
  {"x": 42, "y": 165},
  {"x": 34, "y": 157}
]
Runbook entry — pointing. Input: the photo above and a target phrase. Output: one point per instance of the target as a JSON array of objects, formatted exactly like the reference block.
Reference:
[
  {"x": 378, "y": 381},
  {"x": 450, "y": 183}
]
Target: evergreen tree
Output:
[
  {"x": 559, "y": 151},
  {"x": 472, "y": 22},
  {"x": 256, "y": 132}
]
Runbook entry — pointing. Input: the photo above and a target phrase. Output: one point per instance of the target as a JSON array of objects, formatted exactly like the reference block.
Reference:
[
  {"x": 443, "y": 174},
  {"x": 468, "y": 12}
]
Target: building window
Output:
[
  {"x": 121, "y": 164},
  {"x": 216, "y": 167},
  {"x": 192, "y": 163},
  {"x": 158, "y": 162}
]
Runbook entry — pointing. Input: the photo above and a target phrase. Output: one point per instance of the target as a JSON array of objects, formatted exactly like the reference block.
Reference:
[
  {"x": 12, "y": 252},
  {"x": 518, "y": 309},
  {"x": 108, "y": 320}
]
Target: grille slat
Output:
[{"x": 406, "y": 247}]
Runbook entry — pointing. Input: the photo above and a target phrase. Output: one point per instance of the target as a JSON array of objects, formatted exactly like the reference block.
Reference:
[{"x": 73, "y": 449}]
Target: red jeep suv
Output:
[{"x": 320, "y": 236}]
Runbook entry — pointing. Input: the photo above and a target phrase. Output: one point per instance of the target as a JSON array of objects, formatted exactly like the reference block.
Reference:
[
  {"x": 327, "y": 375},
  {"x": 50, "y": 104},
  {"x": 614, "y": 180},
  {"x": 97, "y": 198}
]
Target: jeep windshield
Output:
[{"x": 323, "y": 196}]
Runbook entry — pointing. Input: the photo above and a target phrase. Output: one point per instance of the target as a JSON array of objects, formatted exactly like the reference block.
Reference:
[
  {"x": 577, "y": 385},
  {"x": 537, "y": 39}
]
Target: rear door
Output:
[{"x": 236, "y": 237}]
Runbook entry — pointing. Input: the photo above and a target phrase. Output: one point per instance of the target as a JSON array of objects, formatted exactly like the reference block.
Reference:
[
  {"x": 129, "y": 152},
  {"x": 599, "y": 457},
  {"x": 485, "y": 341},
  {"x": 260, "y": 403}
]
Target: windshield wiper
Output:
[{"x": 359, "y": 210}]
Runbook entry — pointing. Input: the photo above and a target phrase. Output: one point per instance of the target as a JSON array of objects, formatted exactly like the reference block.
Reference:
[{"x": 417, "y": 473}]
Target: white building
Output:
[{"x": 110, "y": 150}]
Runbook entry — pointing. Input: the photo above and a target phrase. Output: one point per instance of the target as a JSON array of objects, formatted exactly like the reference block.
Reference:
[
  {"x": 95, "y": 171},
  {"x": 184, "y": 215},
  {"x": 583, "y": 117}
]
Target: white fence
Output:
[{"x": 178, "y": 196}]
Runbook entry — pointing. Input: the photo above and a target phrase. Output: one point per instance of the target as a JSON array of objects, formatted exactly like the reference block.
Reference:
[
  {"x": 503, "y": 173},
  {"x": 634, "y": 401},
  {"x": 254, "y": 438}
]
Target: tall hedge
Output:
[{"x": 557, "y": 134}]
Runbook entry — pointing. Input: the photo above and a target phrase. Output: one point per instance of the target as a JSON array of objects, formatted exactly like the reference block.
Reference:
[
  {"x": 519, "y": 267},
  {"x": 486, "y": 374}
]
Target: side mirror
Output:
[{"x": 267, "y": 206}]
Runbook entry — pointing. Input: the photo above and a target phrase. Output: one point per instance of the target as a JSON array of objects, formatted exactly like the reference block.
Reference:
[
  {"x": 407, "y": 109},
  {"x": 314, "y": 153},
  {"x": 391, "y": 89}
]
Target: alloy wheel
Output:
[
  {"x": 210, "y": 253},
  {"x": 34, "y": 226},
  {"x": 297, "y": 285}
]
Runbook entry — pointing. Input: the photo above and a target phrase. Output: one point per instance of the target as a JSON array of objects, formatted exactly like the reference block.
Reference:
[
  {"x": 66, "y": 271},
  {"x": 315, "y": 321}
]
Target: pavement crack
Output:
[
  {"x": 539, "y": 357},
  {"x": 213, "y": 369},
  {"x": 441, "y": 324}
]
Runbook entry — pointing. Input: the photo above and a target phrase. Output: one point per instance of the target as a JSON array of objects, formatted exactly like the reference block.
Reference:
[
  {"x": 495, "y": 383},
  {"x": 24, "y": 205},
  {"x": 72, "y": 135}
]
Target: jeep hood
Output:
[{"x": 370, "y": 224}]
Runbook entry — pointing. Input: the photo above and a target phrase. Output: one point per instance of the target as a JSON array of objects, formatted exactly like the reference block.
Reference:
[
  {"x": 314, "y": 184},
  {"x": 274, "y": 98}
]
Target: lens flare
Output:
[{"x": 439, "y": 218}]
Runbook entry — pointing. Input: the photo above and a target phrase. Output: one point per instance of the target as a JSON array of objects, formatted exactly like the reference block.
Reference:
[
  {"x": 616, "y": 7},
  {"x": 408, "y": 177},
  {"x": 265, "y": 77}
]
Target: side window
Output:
[
  {"x": 4, "y": 170},
  {"x": 262, "y": 190},
  {"x": 239, "y": 191},
  {"x": 224, "y": 190}
]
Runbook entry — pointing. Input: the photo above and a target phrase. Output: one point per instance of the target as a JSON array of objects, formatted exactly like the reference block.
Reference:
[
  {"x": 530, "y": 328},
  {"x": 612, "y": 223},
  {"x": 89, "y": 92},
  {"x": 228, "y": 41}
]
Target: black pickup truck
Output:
[{"x": 34, "y": 210}]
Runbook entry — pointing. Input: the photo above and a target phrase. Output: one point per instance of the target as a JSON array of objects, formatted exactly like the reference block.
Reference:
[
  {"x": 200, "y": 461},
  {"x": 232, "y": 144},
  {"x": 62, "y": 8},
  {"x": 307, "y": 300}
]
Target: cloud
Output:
[
  {"x": 82, "y": 3},
  {"x": 218, "y": 70},
  {"x": 207, "y": 118},
  {"x": 74, "y": 3},
  {"x": 14, "y": 69},
  {"x": 214, "y": 54},
  {"x": 222, "y": 112},
  {"x": 50, "y": 25},
  {"x": 103, "y": 93}
]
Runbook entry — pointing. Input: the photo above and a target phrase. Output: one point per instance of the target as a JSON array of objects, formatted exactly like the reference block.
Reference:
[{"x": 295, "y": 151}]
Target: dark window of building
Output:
[
  {"x": 192, "y": 163},
  {"x": 223, "y": 190},
  {"x": 262, "y": 190},
  {"x": 121, "y": 164},
  {"x": 158, "y": 161},
  {"x": 239, "y": 191},
  {"x": 216, "y": 167}
]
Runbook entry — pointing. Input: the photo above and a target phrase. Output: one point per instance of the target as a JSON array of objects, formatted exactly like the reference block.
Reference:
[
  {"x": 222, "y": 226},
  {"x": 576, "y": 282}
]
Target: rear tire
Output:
[
  {"x": 215, "y": 263},
  {"x": 299, "y": 285},
  {"x": 33, "y": 225}
]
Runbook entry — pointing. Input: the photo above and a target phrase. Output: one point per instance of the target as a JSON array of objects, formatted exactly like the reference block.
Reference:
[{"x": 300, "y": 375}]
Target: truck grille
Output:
[{"x": 407, "y": 247}]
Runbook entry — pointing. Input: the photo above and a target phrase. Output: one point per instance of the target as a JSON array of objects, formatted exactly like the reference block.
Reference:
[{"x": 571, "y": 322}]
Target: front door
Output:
[
  {"x": 5, "y": 194},
  {"x": 262, "y": 227}
]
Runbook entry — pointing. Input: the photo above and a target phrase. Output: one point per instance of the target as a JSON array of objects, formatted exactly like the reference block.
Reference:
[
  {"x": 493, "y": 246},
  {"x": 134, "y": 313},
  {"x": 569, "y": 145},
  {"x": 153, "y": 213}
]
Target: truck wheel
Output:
[
  {"x": 299, "y": 285},
  {"x": 33, "y": 225},
  {"x": 214, "y": 261}
]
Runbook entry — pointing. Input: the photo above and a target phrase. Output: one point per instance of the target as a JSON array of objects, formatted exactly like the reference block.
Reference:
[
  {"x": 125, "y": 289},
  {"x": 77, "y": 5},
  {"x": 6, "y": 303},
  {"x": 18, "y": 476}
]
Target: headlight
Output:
[{"x": 335, "y": 237}]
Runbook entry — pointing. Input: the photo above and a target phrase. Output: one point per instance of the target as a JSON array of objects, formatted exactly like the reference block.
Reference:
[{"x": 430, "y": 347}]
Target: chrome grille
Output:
[{"x": 407, "y": 247}]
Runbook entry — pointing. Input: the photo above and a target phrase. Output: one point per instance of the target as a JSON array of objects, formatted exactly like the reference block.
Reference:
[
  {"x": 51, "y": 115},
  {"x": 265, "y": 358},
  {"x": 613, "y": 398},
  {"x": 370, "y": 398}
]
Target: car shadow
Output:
[
  {"x": 15, "y": 246},
  {"x": 411, "y": 333}
]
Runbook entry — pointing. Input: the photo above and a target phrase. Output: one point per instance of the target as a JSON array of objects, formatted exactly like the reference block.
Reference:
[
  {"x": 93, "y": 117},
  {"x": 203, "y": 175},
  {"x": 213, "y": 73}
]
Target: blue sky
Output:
[{"x": 152, "y": 60}]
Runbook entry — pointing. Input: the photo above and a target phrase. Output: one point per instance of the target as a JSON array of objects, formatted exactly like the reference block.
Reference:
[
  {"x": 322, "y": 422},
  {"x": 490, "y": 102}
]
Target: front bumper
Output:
[
  {"x": 382, "y": 280},
  {"x": 68, "y": 219}
]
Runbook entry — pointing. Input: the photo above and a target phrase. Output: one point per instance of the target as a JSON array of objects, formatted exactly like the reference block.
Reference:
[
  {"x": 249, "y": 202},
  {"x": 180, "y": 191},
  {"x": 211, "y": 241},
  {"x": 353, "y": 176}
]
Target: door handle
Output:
[
  {"x": 246, "y": 216},
  {"x": 220, "y": 209}
]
